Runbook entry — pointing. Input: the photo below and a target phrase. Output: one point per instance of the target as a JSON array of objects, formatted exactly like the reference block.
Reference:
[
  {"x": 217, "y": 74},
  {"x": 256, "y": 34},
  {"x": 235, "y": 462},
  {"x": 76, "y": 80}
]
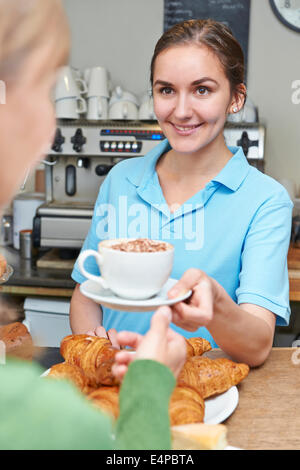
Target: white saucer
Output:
[{"x": 106, "y": 297}]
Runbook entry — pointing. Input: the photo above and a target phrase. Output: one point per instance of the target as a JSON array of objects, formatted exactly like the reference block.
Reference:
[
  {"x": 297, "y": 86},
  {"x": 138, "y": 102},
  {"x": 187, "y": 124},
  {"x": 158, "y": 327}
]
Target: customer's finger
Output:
[
  {"x": 129, "y": 338},
  {"x": 124, "y": 357},
  {"x": 161, "y": 320},
  {"x": 119, "y": 371}
]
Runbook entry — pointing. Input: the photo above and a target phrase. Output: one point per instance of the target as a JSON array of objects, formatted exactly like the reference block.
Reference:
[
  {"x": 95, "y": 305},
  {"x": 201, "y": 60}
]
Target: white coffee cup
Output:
[
  {"x": 123, "y": 105},
  {"x": 130, "y": 275},
  {"x": 67, "y": 85},
  {"x": 97, "y": 108},
  {"x": 70, "y": 108},
  {"x": 146, "y": 111},
  {"x": 97, "y": 82}
]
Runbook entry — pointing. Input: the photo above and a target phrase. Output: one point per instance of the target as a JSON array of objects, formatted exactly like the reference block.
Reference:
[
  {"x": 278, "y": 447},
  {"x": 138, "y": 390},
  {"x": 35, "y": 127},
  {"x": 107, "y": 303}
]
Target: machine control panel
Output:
[
  {"x": 120, "y": 146},
  {"x": 105, "y": 138}
]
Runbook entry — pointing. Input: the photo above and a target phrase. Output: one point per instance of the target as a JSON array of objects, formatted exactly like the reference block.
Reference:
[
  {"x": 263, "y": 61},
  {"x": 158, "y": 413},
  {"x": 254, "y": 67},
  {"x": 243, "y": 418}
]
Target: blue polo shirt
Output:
[{"x": 236, "y": 229}]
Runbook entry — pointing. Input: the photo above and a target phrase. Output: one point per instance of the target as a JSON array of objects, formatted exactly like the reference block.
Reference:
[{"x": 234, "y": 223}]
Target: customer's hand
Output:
[
  {"x": 160, "y": 344},
  {"x": 198, "y": 310},
  {"x": 102, "y": 333}
]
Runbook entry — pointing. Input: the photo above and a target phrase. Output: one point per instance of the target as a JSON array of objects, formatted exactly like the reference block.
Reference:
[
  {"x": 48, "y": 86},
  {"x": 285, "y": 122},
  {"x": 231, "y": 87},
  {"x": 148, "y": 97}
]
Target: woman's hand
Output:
[
  {"x": 198, "y": 310},
  {"x": 102, "y": 333},
  {"x": 160, "y": 344}
]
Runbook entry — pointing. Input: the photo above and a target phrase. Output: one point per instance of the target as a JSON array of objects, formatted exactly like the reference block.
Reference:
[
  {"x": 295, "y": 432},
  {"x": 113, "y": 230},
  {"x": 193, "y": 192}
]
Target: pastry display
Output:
[
  {"x": 88, "y": 364},
  {"x": 199, "y": 436},
  {"x": 17, "y": 340}
]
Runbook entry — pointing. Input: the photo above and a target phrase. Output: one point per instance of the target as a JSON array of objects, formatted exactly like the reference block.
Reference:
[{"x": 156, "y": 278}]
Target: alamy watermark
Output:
[
  {"x": 2, "y": 92},
  {"x": 125, "y": 220},
  {"x": 296, "y": 92}
]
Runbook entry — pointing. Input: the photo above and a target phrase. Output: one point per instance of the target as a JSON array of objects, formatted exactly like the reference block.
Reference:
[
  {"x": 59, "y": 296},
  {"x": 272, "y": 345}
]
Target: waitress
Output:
[{"x": 230, "y": 224}]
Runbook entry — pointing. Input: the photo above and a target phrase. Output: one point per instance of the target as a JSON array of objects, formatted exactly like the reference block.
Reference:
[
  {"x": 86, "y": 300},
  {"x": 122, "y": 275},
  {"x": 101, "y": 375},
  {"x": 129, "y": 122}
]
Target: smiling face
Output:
[{"x": 192, "y": 97}]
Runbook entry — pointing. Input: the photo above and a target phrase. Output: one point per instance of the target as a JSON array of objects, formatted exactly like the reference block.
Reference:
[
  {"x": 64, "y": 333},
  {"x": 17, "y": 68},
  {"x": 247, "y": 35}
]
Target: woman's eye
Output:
[
  {"x": 202, "y": 90},
  {"x": 166, "y": 91}
]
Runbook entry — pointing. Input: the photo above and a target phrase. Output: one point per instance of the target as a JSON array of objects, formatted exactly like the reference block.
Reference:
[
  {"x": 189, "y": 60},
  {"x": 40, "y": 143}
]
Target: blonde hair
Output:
[{"x": 27, "y": 24}]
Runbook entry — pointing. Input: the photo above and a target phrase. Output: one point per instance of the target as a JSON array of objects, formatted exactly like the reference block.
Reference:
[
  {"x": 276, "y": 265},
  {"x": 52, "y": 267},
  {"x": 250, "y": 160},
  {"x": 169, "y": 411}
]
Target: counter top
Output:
[
  {"x": 28, "y": 277},
  {"x": 268, "y": 413}
]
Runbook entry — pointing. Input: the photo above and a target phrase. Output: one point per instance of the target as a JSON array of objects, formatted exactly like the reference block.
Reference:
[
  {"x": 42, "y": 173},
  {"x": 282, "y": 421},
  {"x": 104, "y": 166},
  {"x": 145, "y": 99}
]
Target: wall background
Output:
[{"x": 121, "y": 35}]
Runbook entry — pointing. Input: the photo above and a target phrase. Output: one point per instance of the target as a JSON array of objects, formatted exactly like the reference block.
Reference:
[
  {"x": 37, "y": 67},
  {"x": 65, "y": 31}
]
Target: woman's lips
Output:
[{"x": 185, "y": 130}]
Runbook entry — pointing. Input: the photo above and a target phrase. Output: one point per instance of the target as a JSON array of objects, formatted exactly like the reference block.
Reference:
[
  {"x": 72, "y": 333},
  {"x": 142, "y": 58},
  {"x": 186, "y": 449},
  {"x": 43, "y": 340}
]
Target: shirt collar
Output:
[
  {"x": 231, "y": 176},
  {"x": 235, "y": 170}
]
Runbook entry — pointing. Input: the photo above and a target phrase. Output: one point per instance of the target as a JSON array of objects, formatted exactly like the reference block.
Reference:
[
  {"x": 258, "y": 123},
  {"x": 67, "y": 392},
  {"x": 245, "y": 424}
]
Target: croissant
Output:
[
  {"x": 17, "y": 340},
  {"x": 70, "y": 372},
  {"x": 211, "y": 376},
  {"x": 186, "y": 406},
  {"x": 107, "y": 399},
  {"x": 94, "y": 355},
  {"x": 197, "y": 346}
]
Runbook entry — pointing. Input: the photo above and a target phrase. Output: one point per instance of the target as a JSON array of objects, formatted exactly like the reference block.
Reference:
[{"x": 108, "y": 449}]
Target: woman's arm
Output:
[
  {"x": 85, "y": 314},
  {"x": 245, "y": 331}
]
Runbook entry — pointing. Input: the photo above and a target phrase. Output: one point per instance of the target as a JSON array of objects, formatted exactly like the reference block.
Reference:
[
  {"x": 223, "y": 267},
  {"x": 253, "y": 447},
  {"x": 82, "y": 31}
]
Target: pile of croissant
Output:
[{"x": 88, "y": 363}]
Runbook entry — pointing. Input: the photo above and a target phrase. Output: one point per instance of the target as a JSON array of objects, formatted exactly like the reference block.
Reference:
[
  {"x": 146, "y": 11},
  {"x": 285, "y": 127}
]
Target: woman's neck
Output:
[{"x": 203, "y": 165}]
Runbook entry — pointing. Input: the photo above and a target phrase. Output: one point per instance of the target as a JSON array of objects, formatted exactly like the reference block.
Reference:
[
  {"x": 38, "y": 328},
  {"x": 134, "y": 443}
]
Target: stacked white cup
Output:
[
  {"x": 69, "y": 103},
  {"x": 123, "y": 105},
  {"x": 97, "y": 93},
  {"x": 146, "y": 111}
]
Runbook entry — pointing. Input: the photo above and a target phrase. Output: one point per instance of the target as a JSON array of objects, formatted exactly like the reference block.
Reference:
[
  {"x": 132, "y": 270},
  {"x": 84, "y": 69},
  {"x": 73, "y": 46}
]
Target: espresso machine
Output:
[{"x": 83, "y": 153}]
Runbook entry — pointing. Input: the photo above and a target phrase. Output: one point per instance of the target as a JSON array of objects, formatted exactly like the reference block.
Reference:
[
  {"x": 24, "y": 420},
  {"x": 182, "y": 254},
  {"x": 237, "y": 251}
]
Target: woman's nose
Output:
[{"x": 183, "y": 108}]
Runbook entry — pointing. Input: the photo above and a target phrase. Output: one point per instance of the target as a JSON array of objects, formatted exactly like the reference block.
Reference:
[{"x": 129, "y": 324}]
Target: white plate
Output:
[
  {"x": 218, "y": 408},
  {"x": 106, "y": 297}
]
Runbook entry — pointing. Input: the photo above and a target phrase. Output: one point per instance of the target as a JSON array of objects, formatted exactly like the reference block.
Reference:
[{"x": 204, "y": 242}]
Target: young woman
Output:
[
  {"x": 229, "y": 222},
  {"x": 38, "y": 413}
]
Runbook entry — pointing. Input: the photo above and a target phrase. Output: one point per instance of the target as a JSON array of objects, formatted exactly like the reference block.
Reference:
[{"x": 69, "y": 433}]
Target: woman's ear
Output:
[{"x": 238, "y": 99}]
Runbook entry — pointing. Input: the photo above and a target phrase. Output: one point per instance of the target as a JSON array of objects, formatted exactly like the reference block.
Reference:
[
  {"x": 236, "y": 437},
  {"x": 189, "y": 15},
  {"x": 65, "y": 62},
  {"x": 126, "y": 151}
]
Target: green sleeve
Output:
[
  {"x": 144, "y": 407},
  {"x": 40, "y": 414}
]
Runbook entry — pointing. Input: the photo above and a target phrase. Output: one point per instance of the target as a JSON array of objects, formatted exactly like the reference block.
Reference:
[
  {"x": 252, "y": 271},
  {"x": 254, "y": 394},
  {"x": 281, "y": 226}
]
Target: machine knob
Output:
[
  {"x": 78, "y": 140},
  {"x": 58, "y": 141},
  {"x": 246, "y": 143},
  {"x": 102, "y": 170},
  {"x": 83, "y": 162}
]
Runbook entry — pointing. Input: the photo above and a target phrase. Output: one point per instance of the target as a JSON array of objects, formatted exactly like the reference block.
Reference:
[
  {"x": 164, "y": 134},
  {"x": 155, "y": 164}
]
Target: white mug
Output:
[
  {"x": 70, "y": 108},
  {"x": 123, "y": 110},
  {"x": 146, "y": 111},
  {"x": 123, "y": 105},
  {"x": 97, "y": 82},
  {"x": 130, "y": 275},
  {"x": 67, "y": 86},
  {"x": 97, "y": 108}
]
